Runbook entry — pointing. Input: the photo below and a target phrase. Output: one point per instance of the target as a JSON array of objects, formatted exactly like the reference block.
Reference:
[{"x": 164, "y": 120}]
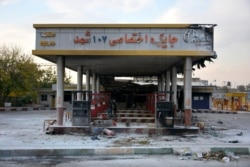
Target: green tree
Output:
[
  {"x": 48, "y": 77},
  {"x": 241, "y": 88},
  {"x": 18, "y": 74},
  {"x": 248, "y": 87}
]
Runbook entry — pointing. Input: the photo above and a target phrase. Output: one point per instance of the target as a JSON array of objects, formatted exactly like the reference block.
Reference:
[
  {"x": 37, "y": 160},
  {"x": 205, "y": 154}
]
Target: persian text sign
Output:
[{"x": 123, "y": 39}]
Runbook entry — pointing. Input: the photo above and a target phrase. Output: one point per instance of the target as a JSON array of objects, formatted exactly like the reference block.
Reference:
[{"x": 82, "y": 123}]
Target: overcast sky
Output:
[{"x": 232, "y": 35}]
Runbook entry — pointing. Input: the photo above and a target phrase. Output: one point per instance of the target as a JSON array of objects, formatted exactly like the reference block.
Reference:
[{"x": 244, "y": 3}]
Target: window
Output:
[
  {"x": 44, "y": 97},
  {"x": 196, "y": 97}
]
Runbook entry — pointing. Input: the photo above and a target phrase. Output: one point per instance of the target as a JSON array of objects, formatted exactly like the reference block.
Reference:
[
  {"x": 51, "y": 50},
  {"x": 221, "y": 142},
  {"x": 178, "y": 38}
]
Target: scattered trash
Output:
[
  {"x": 201, "y": 125},
  {"x": 223, "y": 156},
  {"x": 184, "y": 153},
  {"x": 218, "y": 128},
  {"x": 131, "y": 141},
  {"x": 185, "y": 157},
  {"x": 190, "y": 135},
  {"x": 225, "y": 159},
  {"x": 108, "y": 133},
  {"x": 94, "y": 138},
  {"x": 234, "y": 141},
  {"x": 198, "y": 156},
  {"x": 95, "y": 132},
  {"x": 231, "y": 155},
  {"x": 168, "y": 139},
  {"x": 216, "y": 155},
  {"x": 240, "y": 134},
  {"x": 220, "y": 122}
]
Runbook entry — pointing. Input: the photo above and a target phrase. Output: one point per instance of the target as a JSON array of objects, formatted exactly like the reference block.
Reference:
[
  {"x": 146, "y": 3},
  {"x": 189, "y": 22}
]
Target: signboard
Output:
[{"x": 124, "y": 39}]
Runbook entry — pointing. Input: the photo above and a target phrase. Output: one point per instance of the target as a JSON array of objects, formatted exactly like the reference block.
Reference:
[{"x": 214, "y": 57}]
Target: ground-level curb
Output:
[
  {"x": 107, "y": 151},
  {"x": 236, "y": 150},
  {"x": 214, "y": 111},
  {"x": 85, "y": 151}
]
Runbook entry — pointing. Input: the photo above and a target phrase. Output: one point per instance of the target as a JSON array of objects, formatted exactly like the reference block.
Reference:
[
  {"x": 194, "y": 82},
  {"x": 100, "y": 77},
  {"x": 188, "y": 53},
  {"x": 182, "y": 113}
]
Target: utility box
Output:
[
  {"x": 165, "y": 113},
  {"x": 81, "y": 113}
]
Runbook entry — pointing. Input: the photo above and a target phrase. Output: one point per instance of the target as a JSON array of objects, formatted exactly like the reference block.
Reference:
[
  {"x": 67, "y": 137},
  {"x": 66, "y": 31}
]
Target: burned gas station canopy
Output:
[
  {"x": 125, "y": 49},
  {"x": 107, "y": 50}
]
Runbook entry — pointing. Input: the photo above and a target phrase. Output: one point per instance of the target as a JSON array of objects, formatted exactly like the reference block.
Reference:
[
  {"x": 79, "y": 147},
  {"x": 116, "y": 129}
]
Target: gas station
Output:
[{"x": 104, "y": 51}]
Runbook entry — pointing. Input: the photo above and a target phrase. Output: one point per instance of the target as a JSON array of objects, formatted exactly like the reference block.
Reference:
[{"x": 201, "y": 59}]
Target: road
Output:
[{"x": 118, "y": 161}]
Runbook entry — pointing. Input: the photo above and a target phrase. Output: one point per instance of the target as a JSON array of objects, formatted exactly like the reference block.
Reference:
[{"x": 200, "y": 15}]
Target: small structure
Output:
[{"x": 236, "y": 101}]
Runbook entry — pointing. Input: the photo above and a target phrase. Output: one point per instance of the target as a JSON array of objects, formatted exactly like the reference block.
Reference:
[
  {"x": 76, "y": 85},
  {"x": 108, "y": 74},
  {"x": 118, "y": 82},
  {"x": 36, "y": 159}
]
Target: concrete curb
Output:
[
  {"x": 108, "y": 151},
  {"x": 26, "y": 108},
  {"x": 236, "y": 150},
  {"x": 215, "y": 111}
]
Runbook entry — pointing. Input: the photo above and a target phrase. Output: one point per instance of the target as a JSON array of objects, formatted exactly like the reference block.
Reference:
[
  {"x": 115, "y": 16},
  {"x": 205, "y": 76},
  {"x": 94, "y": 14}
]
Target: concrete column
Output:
[
  {"x": 72, "y": 96},
  {"x": 159, "y": 83},
  {"x": 93, "y": 83},
  {"x": 188, "y": 91},
  {"x": 97, "y": 84},
  {"x": 60, "y": 89},
  {"x": 163, "y": 79},
  {"x": 79, "y": 82},
  {"x": 211, "y": 101},
  {"x": 87, "y": 82},
  {"x": 167, "y": 85},
  {"x": 174, "y": 86}
]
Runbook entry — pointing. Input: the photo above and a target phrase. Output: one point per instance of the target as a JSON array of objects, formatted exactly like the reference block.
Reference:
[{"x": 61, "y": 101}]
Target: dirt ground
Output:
[{"x": 24, "y": 129}]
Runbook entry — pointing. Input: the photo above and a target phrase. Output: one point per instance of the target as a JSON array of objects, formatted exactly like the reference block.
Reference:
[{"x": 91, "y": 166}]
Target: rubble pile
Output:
[
  {"x": 131, "y": 141},
  {"x": 223, "y": 156}
]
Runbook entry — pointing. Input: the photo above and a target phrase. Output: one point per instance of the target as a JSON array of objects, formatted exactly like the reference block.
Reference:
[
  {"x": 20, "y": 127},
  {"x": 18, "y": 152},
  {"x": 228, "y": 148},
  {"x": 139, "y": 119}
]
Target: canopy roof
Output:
[{"x": 125, "y": 49}]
